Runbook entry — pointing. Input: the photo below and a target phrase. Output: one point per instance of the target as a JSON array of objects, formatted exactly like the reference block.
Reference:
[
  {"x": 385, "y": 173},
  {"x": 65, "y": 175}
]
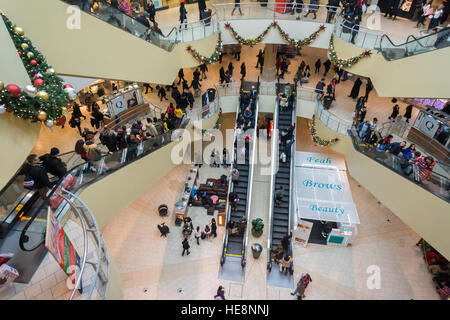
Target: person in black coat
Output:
[
  {"x": 201, "y": 7},
  {"x": 230, "y": 69},
  {"x": 191, "y": 99},
  {"x": 222, "y": 75},
  {"x": 76, "y": 111},
  {"x": 162, "y": 93},
  {"x": 180, "y": 75},
  {"x": 243, "y": 71},
  {"x": 408, "y": 112},
  {"x": 395, "y": 111},
  {"x": 286, "y": 241},
  {"x": 317, "y": 66},
  {"x": 203, "y": 69},
  {"x": 369, "y": 87},
  {"x": 327, "y": 65},
  {"x": 34, "y": 170},
  {"x": 355, "y": 90},
  {"x": 183, "y": 16},
  {"x": 186, "y": 246},
  {"x": 53, "y": 164},
  {"x": 150, "y": 8}
]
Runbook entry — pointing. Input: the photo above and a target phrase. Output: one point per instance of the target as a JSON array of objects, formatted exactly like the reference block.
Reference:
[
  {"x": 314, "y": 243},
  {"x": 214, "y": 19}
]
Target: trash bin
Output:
[{"x": 256, "y": 250}]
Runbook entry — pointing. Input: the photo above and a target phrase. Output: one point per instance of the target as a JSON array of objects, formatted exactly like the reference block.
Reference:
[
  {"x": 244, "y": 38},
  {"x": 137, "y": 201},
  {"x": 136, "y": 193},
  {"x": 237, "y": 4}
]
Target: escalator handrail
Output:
[
  {"x": 104, "y": 3},
  {"x": 275, "y": 135},
  {"x": 292, "y": 173},
  {"x": 230, "y": 187},
  {"x": 250, "y": 184},
  {"x": 73, "y": 170},
  {"x": 385, "y": 36}
]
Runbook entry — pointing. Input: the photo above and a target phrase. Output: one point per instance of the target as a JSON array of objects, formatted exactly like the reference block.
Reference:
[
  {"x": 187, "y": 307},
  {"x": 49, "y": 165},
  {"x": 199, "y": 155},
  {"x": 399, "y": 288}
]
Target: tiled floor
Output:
[{"x": 151, "y": 267}]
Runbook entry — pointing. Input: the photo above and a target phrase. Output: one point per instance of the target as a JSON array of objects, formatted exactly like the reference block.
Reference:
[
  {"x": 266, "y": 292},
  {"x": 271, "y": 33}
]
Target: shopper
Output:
[
  {"x": 369, "y": 87},
  {"x": 36, "y": 177},
  {"x": 221, "y": 290},
  {"x": 427, "y": 10},
  {"x": 230, "y": 69},
  {"x": 179, "y": 115},
  {"x": 279, "y": 196},
  {"x": 108, "y": 138},
  {"x": 76, "y": 111},
  {"x": 183, "y": 16},
  {"x": 201, "y": 8},
  {"x": 396, "y": 147},
  {"x": 408, "y": 112},
  {"x": 75, "y": 121},
  {"x": 243, "y": 71},
  {"x": 203, "y": 69},
  {"x": 317, "y": 66},
  {"x": 237, "y": 4},
  {"x": 197, "y": 235},
  {"x": 435, "y": 19},
  {"x": 162, "y": 93},
  {"x": 425, "y": 167},
  {"x": 180, "y": 75},
  {"x": 333, "y": 5},
  {"x": 186, "y": 246},
  {"x": 312, "y": 8},
  {"x": 53, "y": 164},
  {"x": 213, "y": 227},
  {"x": 302, "y": 283},
  {"x": 259, "y": 57},
  {"x": 355, "y": 89},
  {"x": 285, "y": 242},
  {"x": 327, "y": 65},
  {"x": 394, "y": 114},
  {"x": 285, "y": 263}
]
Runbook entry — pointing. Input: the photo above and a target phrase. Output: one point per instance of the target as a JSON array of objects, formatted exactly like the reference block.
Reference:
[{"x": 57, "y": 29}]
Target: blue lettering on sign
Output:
[
  {"x": 318, "y": 160},
  {"x": 320, "y": 185},
  {"x": 317, "y": 208}
]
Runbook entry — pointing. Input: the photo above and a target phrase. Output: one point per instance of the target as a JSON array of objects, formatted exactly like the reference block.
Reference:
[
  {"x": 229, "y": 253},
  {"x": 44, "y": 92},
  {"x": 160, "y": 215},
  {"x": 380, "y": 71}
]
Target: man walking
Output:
[
  {"x": 237, "y": 4},
  {"x": 186, "y": 246}
]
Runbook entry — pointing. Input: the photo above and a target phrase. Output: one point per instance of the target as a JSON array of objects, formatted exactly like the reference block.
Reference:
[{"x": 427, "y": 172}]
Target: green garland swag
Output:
[
  {"x": 345, "y": 62},
  {"x": 213, "y": 58},
  {"x": 298, "y": 43},
  {"x": 46, "y": 99},
  {"x": 318, "y": 140}
]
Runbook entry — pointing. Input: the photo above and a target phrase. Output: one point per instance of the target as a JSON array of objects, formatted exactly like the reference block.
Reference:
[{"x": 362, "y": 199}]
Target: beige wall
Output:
[
  {"x": 17, "y": 138},
  {"x": 115, "y": 290},
  {"x": 98, "y": 50},
  {"x": 423, "y": 212},
  {"x": 423, "y": 75}
]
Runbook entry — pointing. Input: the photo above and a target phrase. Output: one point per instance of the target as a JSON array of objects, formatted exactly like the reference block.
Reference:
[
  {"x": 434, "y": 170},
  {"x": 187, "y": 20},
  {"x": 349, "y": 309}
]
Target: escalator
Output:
[
  {"x": 233, "y": 258},
  {"x": 124, "y": 21},
  {"x": 281, "y": 214},
  {"x": 24, "y": 213},
  {"x": 414, "y": 46}
]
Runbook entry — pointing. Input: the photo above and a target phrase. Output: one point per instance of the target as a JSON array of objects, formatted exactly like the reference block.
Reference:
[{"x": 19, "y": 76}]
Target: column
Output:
[{"x": 270, "y": 55}]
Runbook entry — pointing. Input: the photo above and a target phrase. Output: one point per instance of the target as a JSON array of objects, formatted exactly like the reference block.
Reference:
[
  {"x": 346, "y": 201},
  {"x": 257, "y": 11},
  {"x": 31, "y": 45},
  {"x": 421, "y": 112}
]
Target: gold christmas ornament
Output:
[
  {"x": 2, "y": 85},
  {"x": 50, "y": 71},
  {"x": 43, "y": 95},
  {"x": 19, "y": 30},
  {"x": 63, "y": 110},
  {"x": 24, "y": 46},
  {"x": 42, "y": 115},
  {"x": 30, "y": 55}
]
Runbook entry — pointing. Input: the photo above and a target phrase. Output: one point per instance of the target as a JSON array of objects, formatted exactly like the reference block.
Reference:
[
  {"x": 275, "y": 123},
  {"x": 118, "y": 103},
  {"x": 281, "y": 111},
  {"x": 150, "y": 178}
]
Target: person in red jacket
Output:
[{"x": 170, "y": 110}]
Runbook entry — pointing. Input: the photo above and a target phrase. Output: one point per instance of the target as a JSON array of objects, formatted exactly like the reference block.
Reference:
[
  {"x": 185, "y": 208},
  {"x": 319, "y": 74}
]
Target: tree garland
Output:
[
  {"x": 345, "y": 62},
  {"x": 45, "y": 100},
  {"x": 213, "y": 58},
  {"x": 318, "y": 140},
  {"x": 298, "y": 43}
]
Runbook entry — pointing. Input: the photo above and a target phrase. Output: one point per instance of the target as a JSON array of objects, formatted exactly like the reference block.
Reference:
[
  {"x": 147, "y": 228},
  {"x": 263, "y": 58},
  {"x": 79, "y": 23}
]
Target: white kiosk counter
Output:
[{"x": 324, "y": 205}]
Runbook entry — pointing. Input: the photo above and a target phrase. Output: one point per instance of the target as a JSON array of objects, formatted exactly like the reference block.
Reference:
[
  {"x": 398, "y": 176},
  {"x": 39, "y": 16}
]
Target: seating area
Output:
[{"x": 212, "y": 195}]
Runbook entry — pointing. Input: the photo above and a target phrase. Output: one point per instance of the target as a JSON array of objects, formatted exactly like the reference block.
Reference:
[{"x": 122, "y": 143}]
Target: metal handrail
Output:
[
  {"x": 98, "y": 238},
  {"x": 250, "y": 183},
  {"x": 291, "y": 180},
  {"x": 83, "y": 259},
  {"x": 230, "y": 185},
  {"x": 272, "y": 180}
]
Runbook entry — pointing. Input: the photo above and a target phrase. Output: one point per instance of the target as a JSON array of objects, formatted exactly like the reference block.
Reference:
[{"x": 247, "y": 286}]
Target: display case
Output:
[
  {"x": 123, "y": 99},
  {"x": 181, "y": 206}
]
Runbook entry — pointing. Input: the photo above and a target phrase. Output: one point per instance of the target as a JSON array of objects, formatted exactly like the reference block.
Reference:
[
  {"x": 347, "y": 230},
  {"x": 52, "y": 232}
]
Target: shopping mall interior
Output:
[{"x": 211, "y": 149}]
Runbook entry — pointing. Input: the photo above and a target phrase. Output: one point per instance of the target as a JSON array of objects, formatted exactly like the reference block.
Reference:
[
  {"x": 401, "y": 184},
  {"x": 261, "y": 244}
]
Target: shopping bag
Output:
[
  {"x": 56, "y": 199},
  {"x": 68, "y": 182}
]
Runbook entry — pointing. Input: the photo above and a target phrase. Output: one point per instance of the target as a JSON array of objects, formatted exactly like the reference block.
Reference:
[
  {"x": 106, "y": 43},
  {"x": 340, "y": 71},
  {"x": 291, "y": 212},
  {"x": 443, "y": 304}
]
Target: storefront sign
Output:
[
  {"x": 327, "y": 211},
  {"x": 429, "y": 126},
  {"x": 302, "y": 232},
  {"x": 319, "y": 160},
  {"x": 117, "y": 105}
]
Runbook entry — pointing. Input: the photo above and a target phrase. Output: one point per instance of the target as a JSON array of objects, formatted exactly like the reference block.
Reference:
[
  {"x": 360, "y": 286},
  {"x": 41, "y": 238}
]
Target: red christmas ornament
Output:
[
  {"x": 20, "y": 54},
  {"x": 38, "y": 82},
  {"x": 13, "y": 90},
  {"x": 33, "y": 62},
  {"x": 69, "y": 106},
  {"x": 67, "y": 86}
]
